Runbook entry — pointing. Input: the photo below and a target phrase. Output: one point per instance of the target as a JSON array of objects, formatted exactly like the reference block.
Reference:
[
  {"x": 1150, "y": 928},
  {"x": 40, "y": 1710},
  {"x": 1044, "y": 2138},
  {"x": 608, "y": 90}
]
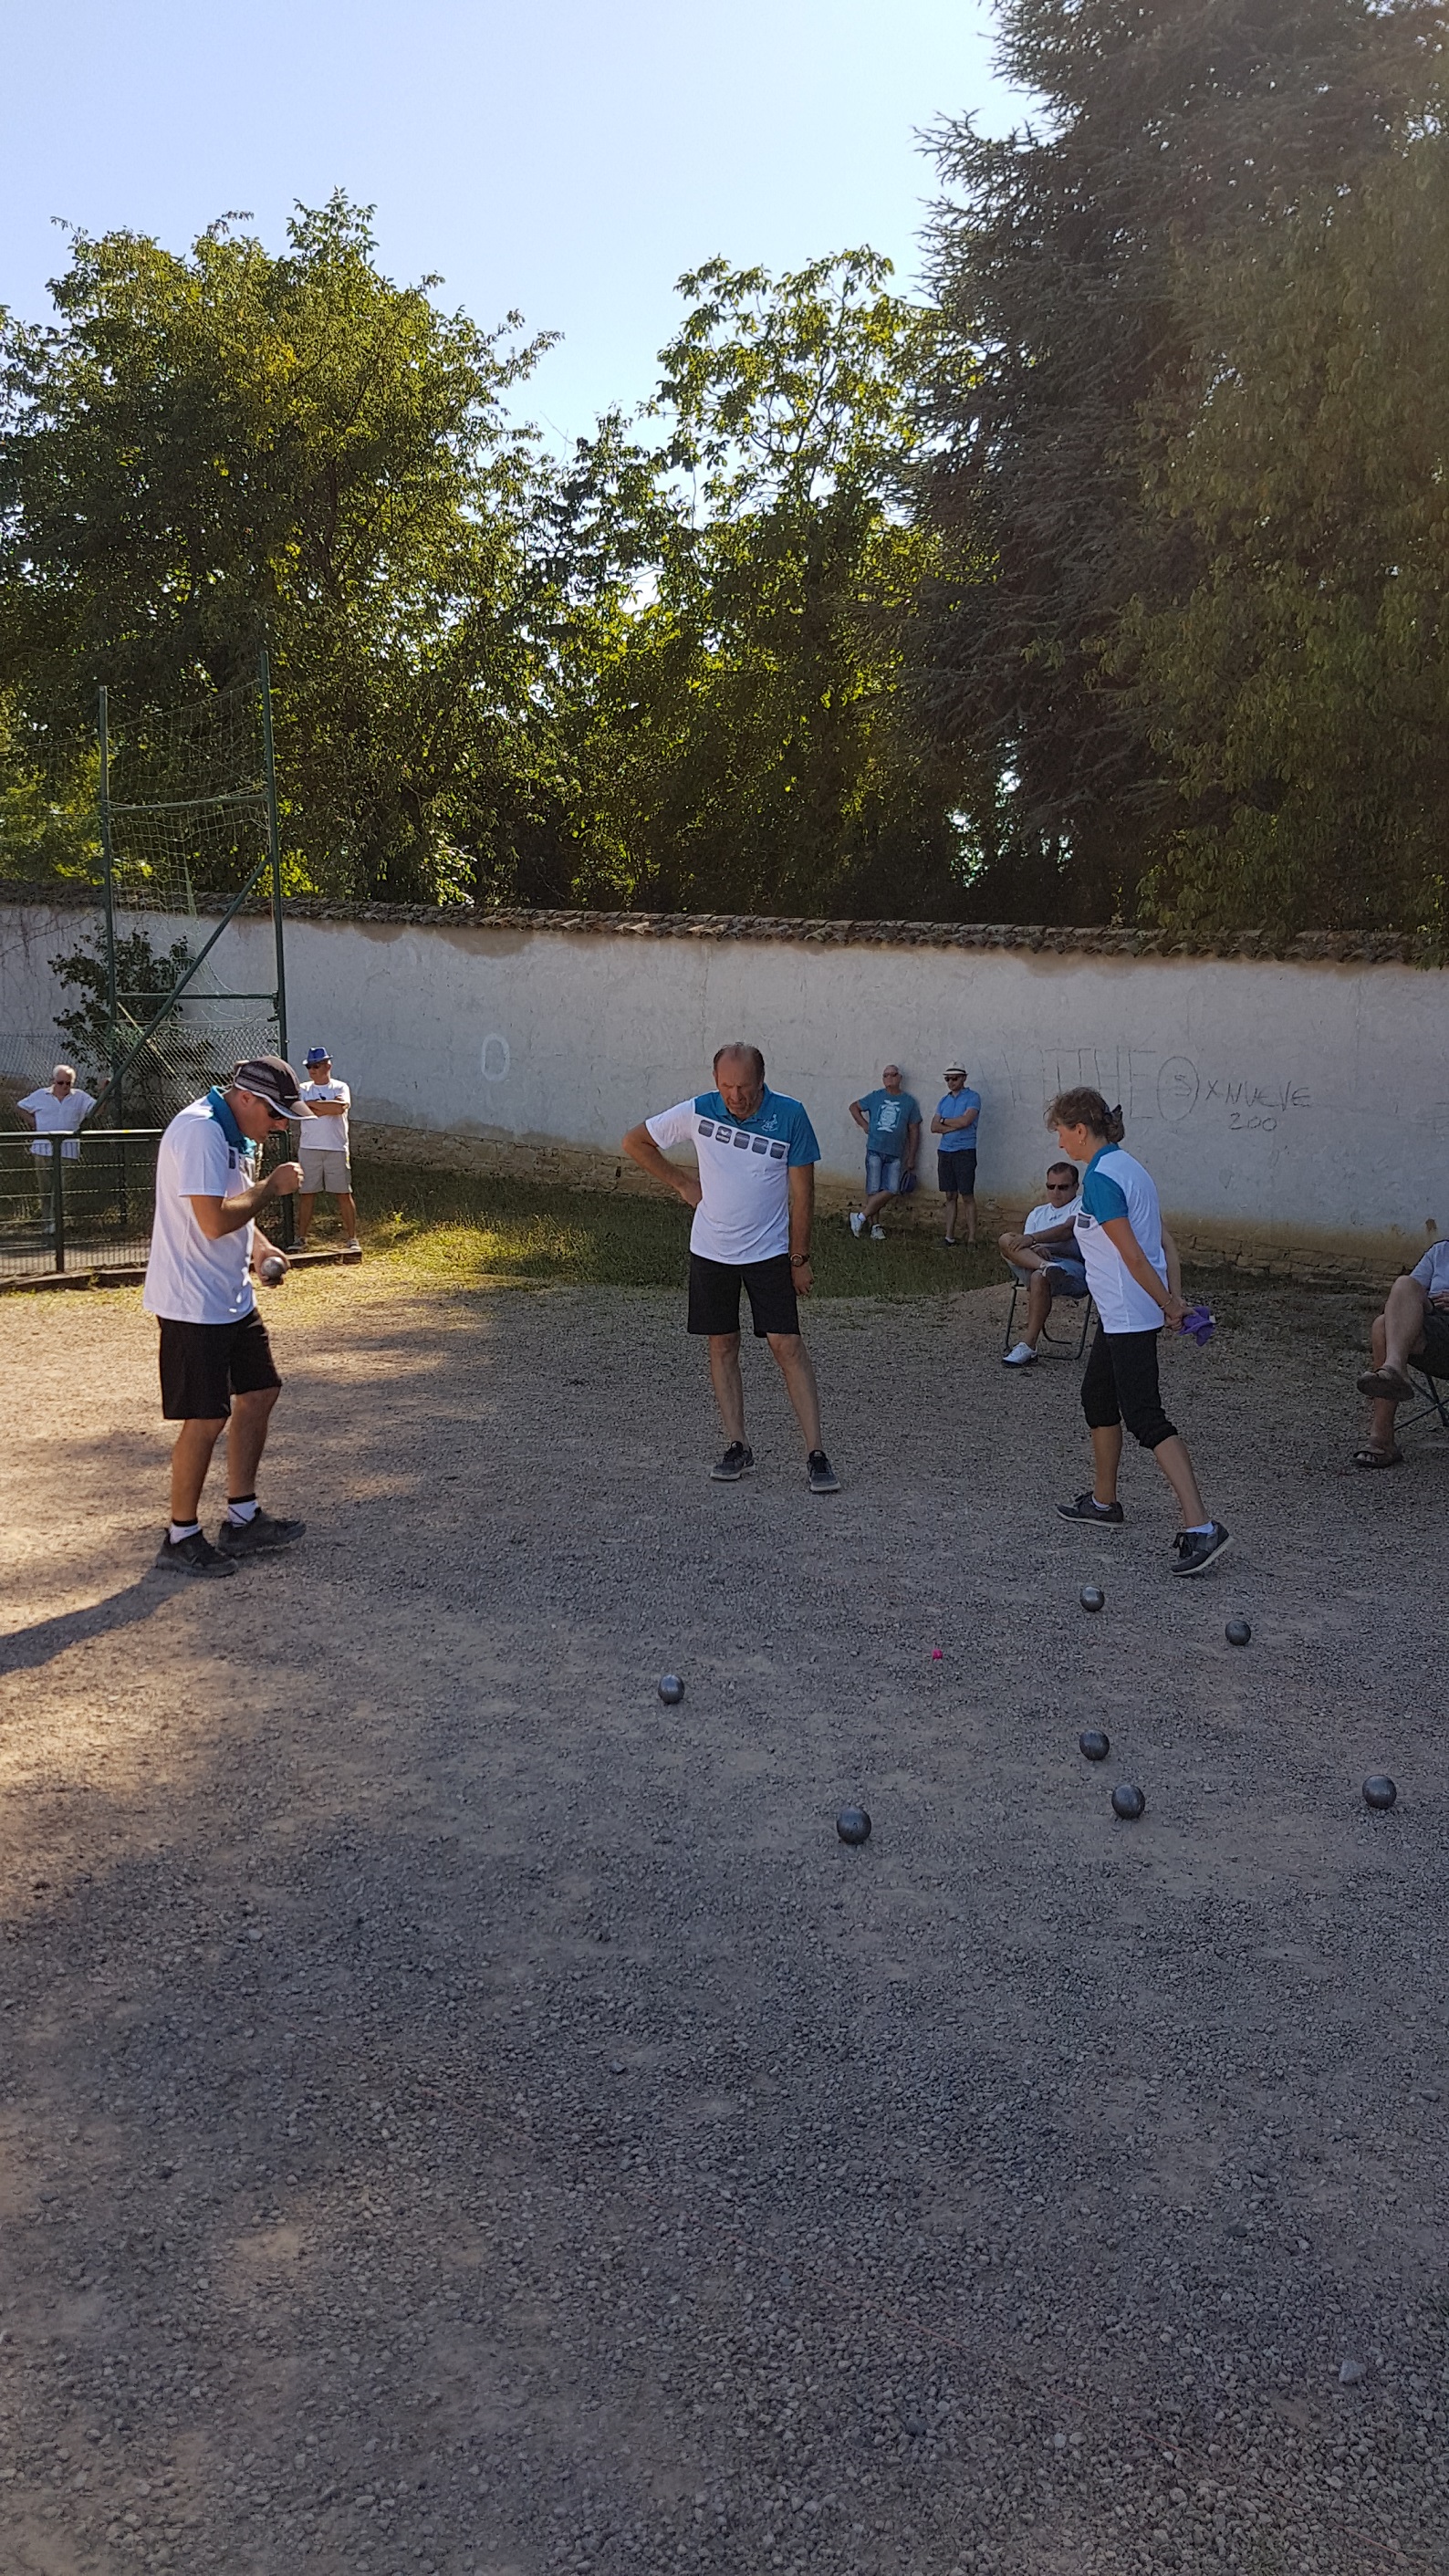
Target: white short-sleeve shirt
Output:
[
  {"x": 1049, "y": 1214},
  {"x": 325, "y": 1135},
  {"x": 55, "y": 1117},
  {"x": 1432, "y": 1272},
  {"x": 190, "y": 1279},
  {"x": 1116, "y": 1185},
  {"x": 744, "y": 1172}
]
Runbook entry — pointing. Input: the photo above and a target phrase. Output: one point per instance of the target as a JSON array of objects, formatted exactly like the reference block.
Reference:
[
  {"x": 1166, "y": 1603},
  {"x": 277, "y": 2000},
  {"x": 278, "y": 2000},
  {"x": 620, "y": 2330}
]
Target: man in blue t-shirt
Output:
[
  {"x": 957, "y": 1124},
  {"x": 754, "y": 1210},
  {"x": 890, "y": 1121}
]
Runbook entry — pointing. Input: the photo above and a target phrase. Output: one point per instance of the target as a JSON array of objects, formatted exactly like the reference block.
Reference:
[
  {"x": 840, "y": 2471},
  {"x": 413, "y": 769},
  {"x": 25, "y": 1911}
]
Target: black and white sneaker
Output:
[
  {"x": 193, "y": 1555},
  {"x": 736, "y": 1462},
  {"x": 822, "y": 1476},
  {"x": 254, "y": 1537},
  {"x": 1196, "y": 1549},
  {"x": 1087, "y": 1508}
]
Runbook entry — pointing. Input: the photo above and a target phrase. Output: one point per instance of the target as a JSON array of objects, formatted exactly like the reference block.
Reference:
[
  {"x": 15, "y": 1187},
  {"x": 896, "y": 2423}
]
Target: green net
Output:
[{"x": 187, "y": 822}]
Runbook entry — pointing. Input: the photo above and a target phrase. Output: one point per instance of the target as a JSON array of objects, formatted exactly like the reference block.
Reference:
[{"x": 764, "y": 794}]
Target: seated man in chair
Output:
[
  {"x": 1414, "y": 1326},
  {"x": 1045, "y": 1259}
]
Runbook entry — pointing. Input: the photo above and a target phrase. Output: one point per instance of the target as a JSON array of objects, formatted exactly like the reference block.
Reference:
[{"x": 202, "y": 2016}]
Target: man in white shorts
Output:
[
  {"x": 323, "y": 1148},
  {"x": 217, "y": 1370}
]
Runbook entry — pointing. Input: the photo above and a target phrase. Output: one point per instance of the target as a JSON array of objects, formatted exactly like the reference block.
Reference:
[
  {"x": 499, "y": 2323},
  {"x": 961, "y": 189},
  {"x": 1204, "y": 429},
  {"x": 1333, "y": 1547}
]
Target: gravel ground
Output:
[{"x": 457, "y": 2114}]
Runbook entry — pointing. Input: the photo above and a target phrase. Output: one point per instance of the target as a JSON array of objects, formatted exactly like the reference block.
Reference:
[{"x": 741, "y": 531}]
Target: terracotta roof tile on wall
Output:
[{"x": 1319, "y": 947}]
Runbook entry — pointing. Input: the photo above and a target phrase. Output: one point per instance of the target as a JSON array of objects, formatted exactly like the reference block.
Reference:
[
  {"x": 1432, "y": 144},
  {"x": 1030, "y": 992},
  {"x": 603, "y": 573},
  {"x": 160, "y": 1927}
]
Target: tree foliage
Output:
[
  {"x": 736, "y": 593},
  {"x": 1063, "y": 258},
  {"x": 1299, "y": 691},
  {"x": 203, "y": 453}
]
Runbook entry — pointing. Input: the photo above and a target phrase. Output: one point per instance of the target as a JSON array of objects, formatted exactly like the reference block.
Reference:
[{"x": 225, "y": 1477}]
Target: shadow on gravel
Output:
[{"x": 23, "y": 1649}]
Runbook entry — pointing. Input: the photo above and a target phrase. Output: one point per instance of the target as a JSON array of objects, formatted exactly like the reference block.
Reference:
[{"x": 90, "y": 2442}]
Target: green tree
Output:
[
  {"x": 1299, "y": 691},
  {"x": 731, "y": 733},
  {"x": 1060, "y": 258},
  {"x": 205, "y": 452}
]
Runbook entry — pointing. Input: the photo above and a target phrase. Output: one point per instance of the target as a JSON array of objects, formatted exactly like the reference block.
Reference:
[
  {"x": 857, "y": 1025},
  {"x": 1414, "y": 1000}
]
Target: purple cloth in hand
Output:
[{"x": 1200, "y": 1323}]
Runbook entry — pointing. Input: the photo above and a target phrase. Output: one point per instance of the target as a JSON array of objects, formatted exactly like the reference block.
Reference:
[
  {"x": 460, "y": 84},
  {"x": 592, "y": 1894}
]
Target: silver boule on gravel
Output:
[
  {"x": 671, "y": 1690},
  {"x": 1379, "y": 1790},
  {"x": 853, "y": 1825},
  {"x": 1093, "y": 1597},
  {"x": 1238, "y": 1633},
  {"x": 1128, "y": 1801},
  {"x": 1094, "y": 1744}
]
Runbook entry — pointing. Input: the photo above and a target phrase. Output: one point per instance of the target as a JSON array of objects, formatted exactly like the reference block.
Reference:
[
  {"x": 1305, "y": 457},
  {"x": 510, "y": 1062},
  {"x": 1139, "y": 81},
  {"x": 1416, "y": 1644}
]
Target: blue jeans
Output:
[{"x": 883, "y": 1172}]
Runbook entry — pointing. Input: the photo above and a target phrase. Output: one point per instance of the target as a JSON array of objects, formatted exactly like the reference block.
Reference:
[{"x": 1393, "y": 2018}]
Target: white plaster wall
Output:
[{"x": 1275, "y": 1100}]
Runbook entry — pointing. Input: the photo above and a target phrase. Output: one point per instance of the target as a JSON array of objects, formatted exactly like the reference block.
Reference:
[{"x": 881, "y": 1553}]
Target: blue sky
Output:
[{"x": 569, "y": 159}]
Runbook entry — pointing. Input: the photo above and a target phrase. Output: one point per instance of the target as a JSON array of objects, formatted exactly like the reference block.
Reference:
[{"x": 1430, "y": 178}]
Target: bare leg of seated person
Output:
[{"x": 1396, "y": 1338}]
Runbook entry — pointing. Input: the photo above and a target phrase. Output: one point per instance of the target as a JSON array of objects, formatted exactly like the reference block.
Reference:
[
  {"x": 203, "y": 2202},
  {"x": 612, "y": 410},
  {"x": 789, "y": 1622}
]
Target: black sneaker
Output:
[
  {"x": 736, "y": 1462},
  {"x": 193, "y": 1555},
  {"x": 823, "y": 1478},
  {"x": 1196, "y": 1549},
  {"x": 250, "y": 1538},
  {"x": 1087, "y": 1508}
]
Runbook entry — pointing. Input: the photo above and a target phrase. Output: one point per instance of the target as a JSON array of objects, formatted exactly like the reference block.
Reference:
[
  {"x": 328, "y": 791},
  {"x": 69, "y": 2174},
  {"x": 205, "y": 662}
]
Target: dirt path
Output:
[{"x": 458, "y": 2114}]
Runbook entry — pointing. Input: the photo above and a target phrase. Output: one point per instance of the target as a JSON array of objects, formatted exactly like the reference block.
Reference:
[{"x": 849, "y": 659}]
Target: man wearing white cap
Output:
[
  {"x": 217, "y": 1370},
  {"x": 57, "y": 1111},
  {"x": 955, "y": 1123}
]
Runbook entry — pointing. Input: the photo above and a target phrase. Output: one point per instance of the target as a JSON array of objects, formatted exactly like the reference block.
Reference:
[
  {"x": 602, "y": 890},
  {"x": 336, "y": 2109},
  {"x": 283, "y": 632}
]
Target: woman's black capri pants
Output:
[{"x": 1119, "y": 1384}]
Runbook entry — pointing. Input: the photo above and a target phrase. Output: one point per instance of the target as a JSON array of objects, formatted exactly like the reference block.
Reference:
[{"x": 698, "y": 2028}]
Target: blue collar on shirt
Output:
[{"x": 219, "y": 1108}]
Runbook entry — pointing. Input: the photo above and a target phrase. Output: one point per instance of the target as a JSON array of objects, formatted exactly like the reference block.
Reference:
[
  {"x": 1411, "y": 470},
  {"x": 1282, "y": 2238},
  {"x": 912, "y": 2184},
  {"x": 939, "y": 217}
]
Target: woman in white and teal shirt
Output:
[{"x": 1126, "y": 1255}]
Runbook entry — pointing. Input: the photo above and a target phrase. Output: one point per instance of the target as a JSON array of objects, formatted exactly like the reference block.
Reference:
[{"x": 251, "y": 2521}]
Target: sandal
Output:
[
  {"x": 1371, "y": 1457},
  {"x": 1385, "y": 1386}
]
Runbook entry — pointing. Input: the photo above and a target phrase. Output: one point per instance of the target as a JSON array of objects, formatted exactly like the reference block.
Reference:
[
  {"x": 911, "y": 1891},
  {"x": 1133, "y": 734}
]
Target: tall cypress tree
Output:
[{"x": 1056, "y": 259}]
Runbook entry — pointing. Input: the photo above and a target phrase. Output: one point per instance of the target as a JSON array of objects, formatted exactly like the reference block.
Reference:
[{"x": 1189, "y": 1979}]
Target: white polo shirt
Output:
[
  {"x": 744, "y": 1168},
  {"x": 324, "y": 1135},
  {"x": 190, "y": 1279},
  {"x": 56, "y": 1117}
]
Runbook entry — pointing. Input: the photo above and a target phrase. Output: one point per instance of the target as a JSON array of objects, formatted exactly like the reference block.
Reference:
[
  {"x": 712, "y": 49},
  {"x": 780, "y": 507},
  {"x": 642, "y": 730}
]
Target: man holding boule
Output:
[
  {"x": 217, "y": 1370},
  {"x": 754, "y": 1209}
]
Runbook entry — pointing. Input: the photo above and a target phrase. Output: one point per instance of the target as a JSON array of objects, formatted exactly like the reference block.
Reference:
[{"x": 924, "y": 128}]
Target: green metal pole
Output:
[
  {"x": 288, "y": 1227},
  {"x": 113, "y": 1034},
  {"x": 57, "y": 1198},
  {"x": 274, "y": 847}
]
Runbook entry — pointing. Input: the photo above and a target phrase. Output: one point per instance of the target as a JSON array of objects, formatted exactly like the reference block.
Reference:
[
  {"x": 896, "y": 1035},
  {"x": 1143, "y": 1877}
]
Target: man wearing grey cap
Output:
[{"x": 217, "y": 1370}]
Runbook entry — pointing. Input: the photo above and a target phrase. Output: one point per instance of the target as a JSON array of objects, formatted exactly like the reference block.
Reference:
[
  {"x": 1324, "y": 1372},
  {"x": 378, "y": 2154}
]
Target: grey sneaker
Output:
[
  {"x": 822, "y": 1476},
  {"x": 193, "y": 1555},
  {"x": 1196, "y": 1549},
  {"x": 254, "y": 1537},
  {"x": 1087, "y": 1508},
  {"x": 736, "y": 1462}
]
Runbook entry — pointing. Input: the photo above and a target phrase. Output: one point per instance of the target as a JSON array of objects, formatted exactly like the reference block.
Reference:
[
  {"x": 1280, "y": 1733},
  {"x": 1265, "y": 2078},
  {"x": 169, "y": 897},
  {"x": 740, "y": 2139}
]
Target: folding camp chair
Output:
[
  {"x": 1435, "y": 1406},
  {"x": 1064, "y": 1297}
]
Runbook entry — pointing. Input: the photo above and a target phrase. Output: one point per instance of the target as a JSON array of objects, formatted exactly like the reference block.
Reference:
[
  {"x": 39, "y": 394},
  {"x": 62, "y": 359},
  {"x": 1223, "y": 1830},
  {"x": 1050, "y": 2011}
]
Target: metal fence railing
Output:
[{"x": 87, "y": 1209}]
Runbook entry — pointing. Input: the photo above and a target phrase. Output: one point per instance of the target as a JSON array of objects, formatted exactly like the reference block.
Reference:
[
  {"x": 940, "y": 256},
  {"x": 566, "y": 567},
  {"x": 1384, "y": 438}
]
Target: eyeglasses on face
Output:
[{"x": 1061, "y": 1185}]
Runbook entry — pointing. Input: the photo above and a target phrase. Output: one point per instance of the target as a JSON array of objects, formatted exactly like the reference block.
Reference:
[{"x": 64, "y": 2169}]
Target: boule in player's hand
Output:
[{"x": 273, "y": 1269}]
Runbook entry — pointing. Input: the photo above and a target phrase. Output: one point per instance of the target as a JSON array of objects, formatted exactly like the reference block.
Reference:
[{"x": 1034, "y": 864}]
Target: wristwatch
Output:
[{"x": 799, "y": 1260}]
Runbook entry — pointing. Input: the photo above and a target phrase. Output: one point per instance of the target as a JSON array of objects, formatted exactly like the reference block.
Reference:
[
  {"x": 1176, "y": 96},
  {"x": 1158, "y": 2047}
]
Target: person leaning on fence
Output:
[
  {"x": 1045, "y": 1258},
  {"x": 217, "y": 1370},
  {"x": 322, "y": 1145},
  {"x": 57, "y": 1111},
  {"x": 1413, "y": 1328}
]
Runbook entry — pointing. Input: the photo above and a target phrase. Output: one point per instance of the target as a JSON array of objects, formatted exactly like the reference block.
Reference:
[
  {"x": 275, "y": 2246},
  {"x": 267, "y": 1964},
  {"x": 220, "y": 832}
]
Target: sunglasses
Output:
[{"x": 1061, "y": 1185}]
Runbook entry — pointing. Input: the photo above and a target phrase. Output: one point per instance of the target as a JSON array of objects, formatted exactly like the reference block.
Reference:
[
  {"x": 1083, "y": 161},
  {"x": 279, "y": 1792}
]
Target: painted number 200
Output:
[{"x": 1245, "y": 1126}]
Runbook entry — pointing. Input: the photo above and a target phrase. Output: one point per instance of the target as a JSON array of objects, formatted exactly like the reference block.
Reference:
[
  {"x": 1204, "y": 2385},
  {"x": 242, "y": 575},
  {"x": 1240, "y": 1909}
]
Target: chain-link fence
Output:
[{"x": 72, "y": 1204}]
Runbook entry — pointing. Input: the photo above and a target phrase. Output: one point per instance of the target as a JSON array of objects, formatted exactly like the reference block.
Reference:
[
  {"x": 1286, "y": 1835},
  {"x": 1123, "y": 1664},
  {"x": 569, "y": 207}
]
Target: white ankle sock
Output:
[
  {"x": 239, "y": 1513},
  {"x": 183, "y": 1529}
]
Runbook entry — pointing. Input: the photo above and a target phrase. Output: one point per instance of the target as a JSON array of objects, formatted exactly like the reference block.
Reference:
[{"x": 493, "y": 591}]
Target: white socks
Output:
[
  {"x": 241, "y": 1511},
  {"x": 182, "y": 1529}
]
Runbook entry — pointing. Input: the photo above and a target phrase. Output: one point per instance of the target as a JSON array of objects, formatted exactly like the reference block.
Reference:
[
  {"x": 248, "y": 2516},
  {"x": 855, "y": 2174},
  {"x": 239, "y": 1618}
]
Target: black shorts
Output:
[
  {"x": 714, "y": 1295},
  {"x": 204, "y": 1365},
  {"x": 1119, "y": 1384},
  {"x": 1433, "y": 1359},
  {"x": 956, "y": 1175}
]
